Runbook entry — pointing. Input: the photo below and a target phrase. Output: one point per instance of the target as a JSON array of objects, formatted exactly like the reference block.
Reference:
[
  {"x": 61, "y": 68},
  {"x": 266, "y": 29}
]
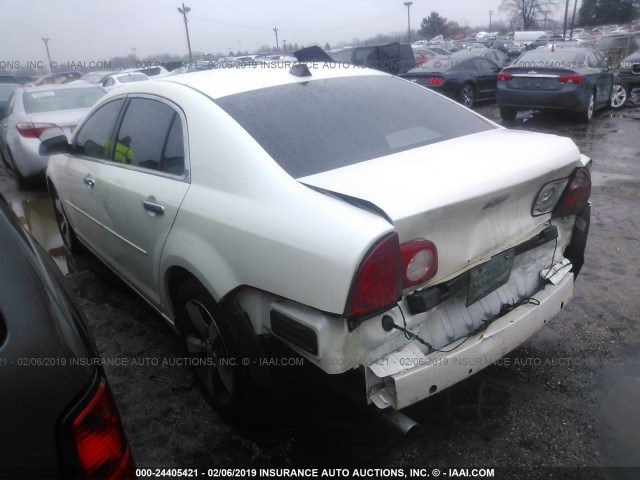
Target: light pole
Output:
[
  {"x": 408, "y": 5},
  {"x": 184, "y": 10},
  {"x": 46, "y": 45},
  {"x": 566, "y": 13},
  {"x": 573, "y": 19},
  {"x": 490, "y": 15},
  {"x": 275, "y": 29}
]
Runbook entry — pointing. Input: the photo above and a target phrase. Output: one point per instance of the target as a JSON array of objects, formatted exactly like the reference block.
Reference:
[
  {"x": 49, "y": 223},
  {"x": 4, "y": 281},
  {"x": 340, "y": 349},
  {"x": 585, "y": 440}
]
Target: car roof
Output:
[{"x": 223, "y": 82}]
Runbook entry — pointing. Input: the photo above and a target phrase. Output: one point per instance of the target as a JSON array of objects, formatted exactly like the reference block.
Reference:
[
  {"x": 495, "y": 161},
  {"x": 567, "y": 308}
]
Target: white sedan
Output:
[
  {"x": 117, "y": 80},
  {"x": 362, "y": 220},
  {"x": 29, "y": 112}
]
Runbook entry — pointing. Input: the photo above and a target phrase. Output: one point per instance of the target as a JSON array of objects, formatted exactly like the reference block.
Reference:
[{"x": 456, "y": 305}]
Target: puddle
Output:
[
  {"x": 620, "y": 418},
  {"x": 36, "y": 215}
]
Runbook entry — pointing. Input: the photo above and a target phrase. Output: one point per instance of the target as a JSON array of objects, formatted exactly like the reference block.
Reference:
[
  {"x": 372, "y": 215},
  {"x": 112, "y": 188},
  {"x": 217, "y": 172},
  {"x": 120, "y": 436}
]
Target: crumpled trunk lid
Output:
[{"x": 471, "y": 196}]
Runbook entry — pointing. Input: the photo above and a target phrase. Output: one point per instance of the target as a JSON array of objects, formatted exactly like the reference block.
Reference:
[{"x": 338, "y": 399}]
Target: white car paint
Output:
[{"x": 237, "y": 222}]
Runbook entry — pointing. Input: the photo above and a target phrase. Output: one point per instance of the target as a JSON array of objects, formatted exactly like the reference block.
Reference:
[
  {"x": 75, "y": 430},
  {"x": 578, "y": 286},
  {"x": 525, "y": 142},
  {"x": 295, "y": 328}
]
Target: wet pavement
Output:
[{"x": 566, "y": 398}]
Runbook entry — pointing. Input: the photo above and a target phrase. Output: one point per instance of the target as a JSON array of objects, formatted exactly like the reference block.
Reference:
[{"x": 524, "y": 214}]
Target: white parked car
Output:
[
  {"x": 119, "y": 79},
  {"x": 364, "y": 221},
  {"x": 30, "y": 111}
]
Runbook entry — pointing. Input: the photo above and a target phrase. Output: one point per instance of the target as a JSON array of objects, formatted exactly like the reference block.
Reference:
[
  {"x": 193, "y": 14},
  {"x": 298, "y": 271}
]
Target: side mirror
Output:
[{"x": 54, "y": 141}]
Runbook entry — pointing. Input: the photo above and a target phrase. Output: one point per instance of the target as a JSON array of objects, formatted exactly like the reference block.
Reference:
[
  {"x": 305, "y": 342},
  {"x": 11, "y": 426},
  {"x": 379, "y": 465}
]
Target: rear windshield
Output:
[
  {"x": 559, "y": 57},
  {"x": 321, "y": 125},
  {"x": 6, "y": 89},
  {"x": 132, "y": 77},
  {"x": 63, "y": 99}
]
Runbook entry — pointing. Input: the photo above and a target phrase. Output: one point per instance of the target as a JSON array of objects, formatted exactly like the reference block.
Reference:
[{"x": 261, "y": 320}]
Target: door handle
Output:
[
  {"x": 89, "y": 181},
  {"x": 150, "y": 205}
]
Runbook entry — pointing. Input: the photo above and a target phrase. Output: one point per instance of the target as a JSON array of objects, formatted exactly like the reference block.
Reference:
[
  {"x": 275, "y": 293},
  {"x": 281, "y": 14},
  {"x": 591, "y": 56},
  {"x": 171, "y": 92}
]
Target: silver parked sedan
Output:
[{"x": 29, "y": 111}]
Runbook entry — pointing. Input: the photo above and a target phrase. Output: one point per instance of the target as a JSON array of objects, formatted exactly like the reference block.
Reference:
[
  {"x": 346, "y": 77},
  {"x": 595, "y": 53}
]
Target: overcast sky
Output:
[{"x": 88, "y": 30}]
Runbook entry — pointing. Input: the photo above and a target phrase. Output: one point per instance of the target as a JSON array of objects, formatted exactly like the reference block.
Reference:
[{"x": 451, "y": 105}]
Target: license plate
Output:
[{"x": 489, "y": 276}]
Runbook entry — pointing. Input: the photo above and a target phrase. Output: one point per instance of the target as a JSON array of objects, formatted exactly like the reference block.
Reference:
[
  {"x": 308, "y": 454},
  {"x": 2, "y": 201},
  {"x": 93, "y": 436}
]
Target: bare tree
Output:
[{"x": 527, "y": 13}]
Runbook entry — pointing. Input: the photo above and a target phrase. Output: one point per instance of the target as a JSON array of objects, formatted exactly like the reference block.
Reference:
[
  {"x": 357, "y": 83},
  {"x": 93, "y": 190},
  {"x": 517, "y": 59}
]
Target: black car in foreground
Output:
[
  {"x": 574, "y": 80},
  {"x": 59, "y": 419},
  {"x": 466, "y": 79}
]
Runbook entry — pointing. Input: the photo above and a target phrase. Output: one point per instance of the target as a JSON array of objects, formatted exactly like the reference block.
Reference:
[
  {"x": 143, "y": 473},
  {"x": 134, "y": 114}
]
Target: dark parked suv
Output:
[
  {"x": 59, "y": 419},
  {"x": 393, "y": 58}
]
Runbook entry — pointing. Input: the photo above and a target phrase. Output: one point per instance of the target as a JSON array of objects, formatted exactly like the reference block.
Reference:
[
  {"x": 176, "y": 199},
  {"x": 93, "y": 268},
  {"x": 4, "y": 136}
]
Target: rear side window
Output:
[
  {"x": 94, "y": 137},
  {"x": 321, "y": 125},
  {"x": 151, "y": 137}
]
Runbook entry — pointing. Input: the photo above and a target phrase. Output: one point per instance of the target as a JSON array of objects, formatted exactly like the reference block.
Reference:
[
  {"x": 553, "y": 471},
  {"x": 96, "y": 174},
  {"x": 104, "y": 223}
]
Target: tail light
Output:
[
  {"x": 436, "y": 80},
  {"x": 504, "y": 77},
  {"x": 101, "y": 446},
  {"x": 419, "y": 262},
  {"x": 33, "y": 130},
  {"x": 576, "y": 195},
  {"x": 378, "y": 282},
  {"x": 564, "y": 196},
  {"x": 570, "y": 79},
  {"x": 548, "y": 197}
]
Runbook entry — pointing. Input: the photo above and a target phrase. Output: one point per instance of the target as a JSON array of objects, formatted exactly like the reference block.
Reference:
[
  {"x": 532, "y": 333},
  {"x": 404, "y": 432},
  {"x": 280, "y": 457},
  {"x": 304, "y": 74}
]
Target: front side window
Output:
[
  {"x": 94, "y": 137},
  {"x": 151, "y": 137}
]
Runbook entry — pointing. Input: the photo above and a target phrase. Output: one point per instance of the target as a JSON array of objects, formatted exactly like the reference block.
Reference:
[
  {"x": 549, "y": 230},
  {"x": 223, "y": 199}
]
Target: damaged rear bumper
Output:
[{"x": 407, "y": 376}]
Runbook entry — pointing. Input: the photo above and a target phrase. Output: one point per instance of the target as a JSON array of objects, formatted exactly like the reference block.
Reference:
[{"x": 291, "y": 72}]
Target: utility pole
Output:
[
  {"x": 490, "y": 15},
  {"x": 275, "y": 29},
  {"x": 408, "y": 5},
  {"x": 566, "y": 13},
  {"x": 46, "y": 45},
  {"x": 573, "y": 19},
  {"x": 133, "y": 49},
  {"x": 284, "y": 45},
  {"x": 184, "y": 10}
]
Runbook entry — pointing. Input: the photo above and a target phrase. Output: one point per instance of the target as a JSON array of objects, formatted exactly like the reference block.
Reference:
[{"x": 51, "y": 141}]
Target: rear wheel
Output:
[
  {"x": 11, "y": 163},
  {"x": 587, "y": 113},
  {"x": 467, "y": 95},
  {"x": 619, "y": 96},
  {"x": 214, "y": 342},
  {"x": 69, "y": 238},
  {"x": 508, "y": 114},
  {"x": 4, "y": 160}
]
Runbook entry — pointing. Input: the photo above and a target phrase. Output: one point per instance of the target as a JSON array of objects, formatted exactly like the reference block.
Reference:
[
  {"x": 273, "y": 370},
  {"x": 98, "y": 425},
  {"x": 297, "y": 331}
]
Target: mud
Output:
[{"x": 564, "y": 404}]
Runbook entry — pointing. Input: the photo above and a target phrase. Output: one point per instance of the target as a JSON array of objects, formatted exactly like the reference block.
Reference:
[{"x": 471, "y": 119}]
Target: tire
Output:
[
  {"x": 11, "y": 163},
  {"x": 69, "y": 238},
  {"x": 587, "y": 114},
  {"x": 508, "y": 114},
  {"x": 467, "y": 95},
  {"x": 619, "y": 96},
  {"x": 5, "y": 161},
  {"x": 215, "y": 344}
]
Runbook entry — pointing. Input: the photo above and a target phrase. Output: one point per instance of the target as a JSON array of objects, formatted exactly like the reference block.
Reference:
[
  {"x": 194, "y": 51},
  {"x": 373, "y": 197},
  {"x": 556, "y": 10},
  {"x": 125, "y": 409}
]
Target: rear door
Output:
[
  {"x": 140, "y": 190},
  {"x": 604, "y": 83},
  {"x": 487, "y": 77}
]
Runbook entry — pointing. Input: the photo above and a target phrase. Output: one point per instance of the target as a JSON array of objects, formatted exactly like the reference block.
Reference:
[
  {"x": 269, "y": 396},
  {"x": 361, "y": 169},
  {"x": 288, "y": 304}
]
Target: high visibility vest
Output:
[{"x": 121, "y": 153}]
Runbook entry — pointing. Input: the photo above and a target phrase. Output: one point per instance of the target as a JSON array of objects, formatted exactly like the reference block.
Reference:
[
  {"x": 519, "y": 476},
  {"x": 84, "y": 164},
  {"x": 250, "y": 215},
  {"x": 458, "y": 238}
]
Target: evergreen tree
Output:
[{"x": 602, "y": 12}]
